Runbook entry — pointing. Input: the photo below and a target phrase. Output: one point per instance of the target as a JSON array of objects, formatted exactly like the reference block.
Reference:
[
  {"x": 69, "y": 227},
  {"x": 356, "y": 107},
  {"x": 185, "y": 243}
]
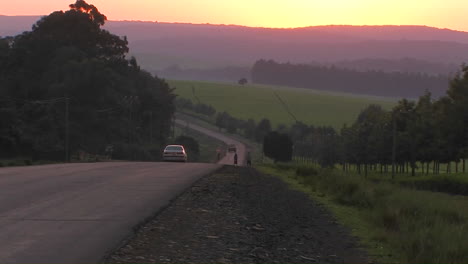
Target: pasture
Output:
[{"x": 259, "y": 101}]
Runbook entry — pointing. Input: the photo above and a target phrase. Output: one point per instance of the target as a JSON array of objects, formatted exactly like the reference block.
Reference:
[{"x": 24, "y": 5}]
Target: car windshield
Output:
[{"x": 176, "y": 148}]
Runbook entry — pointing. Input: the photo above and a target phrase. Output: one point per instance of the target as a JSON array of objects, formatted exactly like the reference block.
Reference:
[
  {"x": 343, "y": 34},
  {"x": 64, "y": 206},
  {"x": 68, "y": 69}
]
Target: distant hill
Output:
[
  {"x": 222, "y": 45},
  {"x": 221, "y": 52},
  {"x": 13, "y": 25}
]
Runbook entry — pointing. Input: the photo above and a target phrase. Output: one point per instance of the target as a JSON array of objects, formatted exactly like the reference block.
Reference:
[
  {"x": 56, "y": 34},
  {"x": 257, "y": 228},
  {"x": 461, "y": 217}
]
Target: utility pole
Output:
[
  {"x": 394, "y": 148},
  {"x": 130, "y": 124},
  {"x": 151, "y": 127},
  {"x": 173, "y": 126},
  {"x": 67, "y": 130}
]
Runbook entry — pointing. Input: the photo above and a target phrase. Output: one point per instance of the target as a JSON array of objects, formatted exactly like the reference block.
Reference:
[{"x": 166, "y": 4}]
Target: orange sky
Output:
[{"x": 268, "y": 13}]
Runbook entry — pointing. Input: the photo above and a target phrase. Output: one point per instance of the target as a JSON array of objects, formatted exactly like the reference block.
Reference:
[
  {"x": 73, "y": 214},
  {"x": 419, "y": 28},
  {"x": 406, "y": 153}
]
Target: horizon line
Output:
[{"x": 262, "y": 27}]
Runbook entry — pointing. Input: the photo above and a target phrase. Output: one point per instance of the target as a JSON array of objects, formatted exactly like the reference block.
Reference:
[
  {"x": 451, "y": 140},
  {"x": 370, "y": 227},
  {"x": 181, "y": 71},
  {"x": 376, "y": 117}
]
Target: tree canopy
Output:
[{"x": 68, "y": 58}]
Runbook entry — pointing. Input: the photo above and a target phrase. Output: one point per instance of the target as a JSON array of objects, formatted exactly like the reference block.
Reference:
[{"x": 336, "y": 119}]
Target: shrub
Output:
[
  {"x": 304, "y": 170},
  {"x": 131, "y": 152}
]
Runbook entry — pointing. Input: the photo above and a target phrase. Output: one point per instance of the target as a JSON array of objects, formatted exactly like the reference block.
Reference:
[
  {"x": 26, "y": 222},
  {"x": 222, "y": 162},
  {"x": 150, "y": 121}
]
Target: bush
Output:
[
  {"x": 131, "y": 152},
  {"x": 278, "y": 146},
  {"x": 283, "y": 166},
  {"x": 306, "y": 171},
  {"x": 191, "y": 145}
]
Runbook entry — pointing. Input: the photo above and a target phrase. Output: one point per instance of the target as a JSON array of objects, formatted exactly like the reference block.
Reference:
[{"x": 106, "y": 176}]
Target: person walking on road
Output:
[{"x": 235, "y": 159}]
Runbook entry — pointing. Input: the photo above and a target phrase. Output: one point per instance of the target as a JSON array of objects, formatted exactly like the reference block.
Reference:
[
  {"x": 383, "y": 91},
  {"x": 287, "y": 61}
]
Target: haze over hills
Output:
[
  {"x": 160, "y": 45},
  {"x": 228, "y": 52}
]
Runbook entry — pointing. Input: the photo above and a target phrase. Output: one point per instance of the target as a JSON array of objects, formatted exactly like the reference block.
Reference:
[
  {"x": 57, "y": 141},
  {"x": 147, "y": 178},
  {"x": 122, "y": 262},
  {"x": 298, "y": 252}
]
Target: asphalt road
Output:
[
  {"x": 76, "y": 213},
  {"x": 229, "y": 158}
]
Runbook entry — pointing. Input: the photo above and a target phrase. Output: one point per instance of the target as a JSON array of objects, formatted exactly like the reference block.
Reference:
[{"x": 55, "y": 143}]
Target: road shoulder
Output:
[{"x": 238, "y": 215}]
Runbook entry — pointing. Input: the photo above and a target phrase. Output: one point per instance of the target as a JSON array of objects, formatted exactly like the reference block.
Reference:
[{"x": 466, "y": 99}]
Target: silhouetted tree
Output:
[
  {"x": 68, "y": 57},
  {"x": 278, "y": 146},
  {"x": 242, "y": 81},
  {"x": 262, "y": 129}
]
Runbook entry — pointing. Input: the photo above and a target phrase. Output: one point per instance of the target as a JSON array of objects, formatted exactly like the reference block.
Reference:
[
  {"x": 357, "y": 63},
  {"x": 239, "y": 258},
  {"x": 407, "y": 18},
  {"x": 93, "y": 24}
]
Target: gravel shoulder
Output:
[{"x": 238, "y": 215}]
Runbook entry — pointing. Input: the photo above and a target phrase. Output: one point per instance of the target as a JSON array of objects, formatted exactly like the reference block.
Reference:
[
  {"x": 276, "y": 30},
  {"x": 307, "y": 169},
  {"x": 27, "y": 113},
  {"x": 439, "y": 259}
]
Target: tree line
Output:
[
  {"x": 414, "y": 135},
  {"x": 199, "y": 108},
  {"x": 417, "y": 135},
  {"x": 330, "y": 78},
  {"x": 67, "y": 86}
]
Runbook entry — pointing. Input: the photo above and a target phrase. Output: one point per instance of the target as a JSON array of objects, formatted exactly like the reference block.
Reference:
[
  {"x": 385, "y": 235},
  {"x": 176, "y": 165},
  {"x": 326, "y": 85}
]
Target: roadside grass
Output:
[
  {"x": 452, "y": 183},
  {"x": 395, "y": 224},
  {"x": 23, "y": 162},
  {"x": 259, "y": 101},
  {"x": 448, "y": 183}
]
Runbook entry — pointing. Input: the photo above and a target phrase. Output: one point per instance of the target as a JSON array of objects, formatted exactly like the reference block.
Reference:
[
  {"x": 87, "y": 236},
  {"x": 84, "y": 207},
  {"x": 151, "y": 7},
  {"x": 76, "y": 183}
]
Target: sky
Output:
[{"x": 451, "y": 14}]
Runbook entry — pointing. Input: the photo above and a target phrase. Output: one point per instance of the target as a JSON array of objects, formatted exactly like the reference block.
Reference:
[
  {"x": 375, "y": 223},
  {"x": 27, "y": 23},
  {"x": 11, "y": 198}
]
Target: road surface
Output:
[
  {"x": 76, "y": 213},
  {"x": 229, "y": 158}
]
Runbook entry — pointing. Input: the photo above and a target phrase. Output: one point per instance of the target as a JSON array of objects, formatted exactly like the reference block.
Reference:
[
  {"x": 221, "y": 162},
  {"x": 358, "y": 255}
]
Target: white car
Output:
[{"x": 174, "y": 153}]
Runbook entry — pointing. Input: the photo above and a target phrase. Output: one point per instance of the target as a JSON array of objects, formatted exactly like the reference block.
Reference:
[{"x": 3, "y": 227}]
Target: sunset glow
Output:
[{"x": 269, "y": 13}]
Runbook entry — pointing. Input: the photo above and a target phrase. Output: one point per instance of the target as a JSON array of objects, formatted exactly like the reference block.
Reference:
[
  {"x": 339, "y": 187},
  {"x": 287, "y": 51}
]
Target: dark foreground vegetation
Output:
[
  {"x": 396, "y": 224},
  {"x": 332, "y": 79},
  {"x": 67, "y": 88}
]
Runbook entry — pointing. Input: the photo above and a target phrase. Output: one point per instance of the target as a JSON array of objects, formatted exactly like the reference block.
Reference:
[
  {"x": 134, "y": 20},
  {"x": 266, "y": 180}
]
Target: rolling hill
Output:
[
  {"x": 259, "y": 101},
  {"x": 160, "y": 45}
]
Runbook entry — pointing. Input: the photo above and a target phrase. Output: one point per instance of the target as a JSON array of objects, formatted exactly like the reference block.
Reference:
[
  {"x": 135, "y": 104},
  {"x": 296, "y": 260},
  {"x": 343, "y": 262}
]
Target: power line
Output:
[{"x": 285, "y": 107}]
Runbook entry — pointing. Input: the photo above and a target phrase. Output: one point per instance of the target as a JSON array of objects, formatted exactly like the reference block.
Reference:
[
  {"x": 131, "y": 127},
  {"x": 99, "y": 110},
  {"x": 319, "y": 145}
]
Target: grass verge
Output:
[
  {"x": 24, "y": 162},
  {"x": 395, "y": 224},
  {"x": 451, "y": 183}
]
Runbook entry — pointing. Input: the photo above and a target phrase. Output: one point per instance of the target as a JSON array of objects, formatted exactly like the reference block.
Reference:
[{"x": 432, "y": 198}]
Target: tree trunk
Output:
[
  {"x": 359, "y": 169},
  {"x": 456, "y": 166},
  {"x": 427, "y": 168},
  {"x": 463, "y": 165},
  {"x": 422, "y": 167},
  {"x": 365, "y": 170},
  {"x": 434, "y": 167}
]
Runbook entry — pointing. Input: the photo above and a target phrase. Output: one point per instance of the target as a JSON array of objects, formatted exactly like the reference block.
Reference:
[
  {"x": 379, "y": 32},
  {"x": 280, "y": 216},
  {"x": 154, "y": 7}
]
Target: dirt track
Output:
[{"x": 241, "y": 216}]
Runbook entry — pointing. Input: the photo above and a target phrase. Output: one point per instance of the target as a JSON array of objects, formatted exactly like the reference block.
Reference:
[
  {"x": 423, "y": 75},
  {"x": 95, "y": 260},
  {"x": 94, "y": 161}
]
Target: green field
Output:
[{"x": 259, "y": 101}]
